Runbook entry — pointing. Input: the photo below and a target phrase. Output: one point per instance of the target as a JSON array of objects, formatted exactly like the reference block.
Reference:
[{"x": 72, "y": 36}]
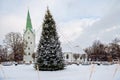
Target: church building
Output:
[{"x": 29, "y": 37}]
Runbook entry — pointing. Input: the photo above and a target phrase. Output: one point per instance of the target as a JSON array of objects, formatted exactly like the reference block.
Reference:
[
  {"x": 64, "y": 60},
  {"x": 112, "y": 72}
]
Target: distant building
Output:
[
  {"x": 70, "y": 57},
  {"x": 29, "y": 37}
]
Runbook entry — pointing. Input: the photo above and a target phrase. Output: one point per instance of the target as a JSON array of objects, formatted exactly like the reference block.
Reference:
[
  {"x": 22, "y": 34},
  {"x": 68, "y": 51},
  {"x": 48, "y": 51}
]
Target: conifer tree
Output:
[{"x": 49, "y": 51}]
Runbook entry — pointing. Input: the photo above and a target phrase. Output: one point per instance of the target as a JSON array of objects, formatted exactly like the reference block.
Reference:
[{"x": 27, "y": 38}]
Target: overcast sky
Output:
[{"x": 79, "y": 22}]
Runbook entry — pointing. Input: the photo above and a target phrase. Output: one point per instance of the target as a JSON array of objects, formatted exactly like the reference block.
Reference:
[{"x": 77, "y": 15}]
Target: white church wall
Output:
[
  {"x": 71, "y": 58},
  {"x": 29, "y": 37}
]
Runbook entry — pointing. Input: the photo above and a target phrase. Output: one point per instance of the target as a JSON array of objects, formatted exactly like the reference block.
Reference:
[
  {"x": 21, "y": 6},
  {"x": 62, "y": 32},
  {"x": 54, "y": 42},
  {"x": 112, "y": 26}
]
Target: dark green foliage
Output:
[{"x": 49, "y": 50}]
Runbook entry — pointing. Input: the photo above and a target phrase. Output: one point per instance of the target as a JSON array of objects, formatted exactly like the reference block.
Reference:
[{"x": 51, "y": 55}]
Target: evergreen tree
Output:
[{"x": 49, "y": 51}]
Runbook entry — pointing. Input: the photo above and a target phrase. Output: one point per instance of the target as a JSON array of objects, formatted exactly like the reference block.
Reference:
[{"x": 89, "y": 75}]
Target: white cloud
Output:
[
  {"x": 10, "y": 23},
  {"x": 112, "y": 28},
  {"x": 72, "y": 30},
  {"x": 108, "y": 34}
]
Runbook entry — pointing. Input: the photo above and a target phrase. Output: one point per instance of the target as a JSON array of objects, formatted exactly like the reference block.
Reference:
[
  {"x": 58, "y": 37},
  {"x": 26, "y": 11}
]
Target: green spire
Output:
[{"x": 28, "y": 23}]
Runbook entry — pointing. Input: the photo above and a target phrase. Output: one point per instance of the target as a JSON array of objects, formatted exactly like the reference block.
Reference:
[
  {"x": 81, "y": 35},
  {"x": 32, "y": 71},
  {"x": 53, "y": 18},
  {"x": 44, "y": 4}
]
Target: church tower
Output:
[{"x": 29, "y": 37}]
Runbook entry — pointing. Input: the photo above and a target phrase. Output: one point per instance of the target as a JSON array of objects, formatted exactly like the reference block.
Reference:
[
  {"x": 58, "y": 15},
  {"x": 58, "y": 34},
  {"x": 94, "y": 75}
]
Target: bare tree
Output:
[
  {"x": 14, "y": 40},
  {"x": 114, "y": 48},
  {"x": 34, "y": 56},
  {"x": 102, "y": 52},
  {"x": 116, "y": 41},
  {"x": 3, "y": 54},
  {"x": 96, "y": 52}
]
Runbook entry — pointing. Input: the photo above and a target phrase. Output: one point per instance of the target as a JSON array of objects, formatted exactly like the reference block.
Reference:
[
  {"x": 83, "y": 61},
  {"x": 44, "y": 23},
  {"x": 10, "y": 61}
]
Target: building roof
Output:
[{"x": 28, "y": 23}]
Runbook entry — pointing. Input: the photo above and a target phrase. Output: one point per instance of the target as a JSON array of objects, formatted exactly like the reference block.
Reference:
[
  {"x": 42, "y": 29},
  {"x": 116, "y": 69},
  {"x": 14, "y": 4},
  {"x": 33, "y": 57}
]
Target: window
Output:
[
  {"x": 30, "y": 62},
  {"x": 28, "y": 53},
  {"x": 24, "y": 53},
  {"x": 67, "y": 56},
  {"x": 28, "y": 37},
  {"x": 29, "y": 48}
]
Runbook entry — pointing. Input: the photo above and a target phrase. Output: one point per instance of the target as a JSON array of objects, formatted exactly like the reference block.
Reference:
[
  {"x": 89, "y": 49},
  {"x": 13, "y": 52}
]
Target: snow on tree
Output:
[{"x": 50, "y": 57}]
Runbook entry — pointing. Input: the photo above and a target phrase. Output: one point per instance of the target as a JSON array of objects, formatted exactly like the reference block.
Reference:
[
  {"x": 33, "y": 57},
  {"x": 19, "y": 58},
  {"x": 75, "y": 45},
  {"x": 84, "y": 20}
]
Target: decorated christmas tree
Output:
[{"x": 49, "y": 51}]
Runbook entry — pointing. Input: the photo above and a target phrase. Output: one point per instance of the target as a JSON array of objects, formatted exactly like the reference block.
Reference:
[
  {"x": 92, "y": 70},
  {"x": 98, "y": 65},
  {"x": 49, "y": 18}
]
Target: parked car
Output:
[
  {"x": 85, "y": 63},
  {"x": 107, "y": 63},
  {"x": 7, "y": 63}
]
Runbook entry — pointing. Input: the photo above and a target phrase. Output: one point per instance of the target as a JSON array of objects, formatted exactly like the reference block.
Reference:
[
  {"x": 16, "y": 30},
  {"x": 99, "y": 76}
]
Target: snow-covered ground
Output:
[{"x": 71, "y": 72}]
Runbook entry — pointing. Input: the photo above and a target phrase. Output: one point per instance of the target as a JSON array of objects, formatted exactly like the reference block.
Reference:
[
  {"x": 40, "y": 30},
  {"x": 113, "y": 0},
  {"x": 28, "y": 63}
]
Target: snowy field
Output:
[{"x": 71, "y": 72}]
